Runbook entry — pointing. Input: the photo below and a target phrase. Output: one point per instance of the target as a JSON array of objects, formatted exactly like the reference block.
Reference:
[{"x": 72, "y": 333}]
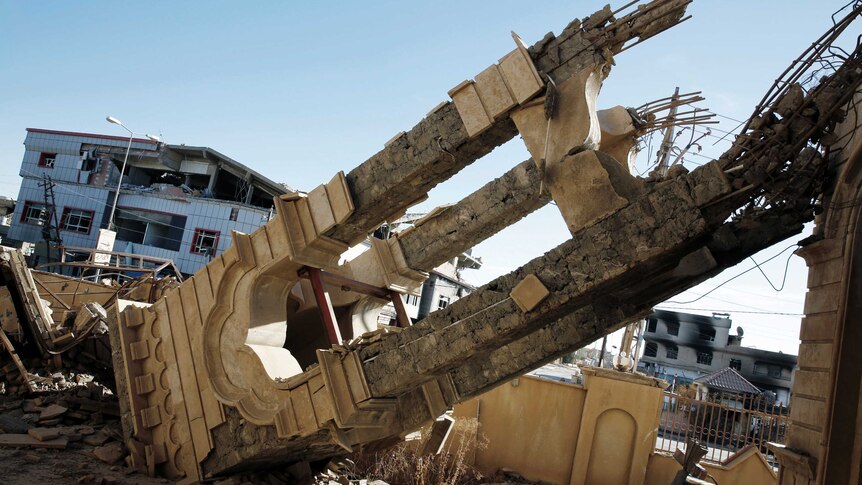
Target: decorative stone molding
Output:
[{"x": 497, "y": 89}]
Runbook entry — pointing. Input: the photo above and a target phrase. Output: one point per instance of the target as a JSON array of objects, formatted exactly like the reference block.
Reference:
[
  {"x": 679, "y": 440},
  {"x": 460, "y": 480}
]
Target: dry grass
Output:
[{"x": 403, "y": 464}]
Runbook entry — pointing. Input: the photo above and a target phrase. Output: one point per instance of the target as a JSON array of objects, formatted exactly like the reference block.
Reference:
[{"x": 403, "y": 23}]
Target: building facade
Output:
[
  {"x": 177, "y": 202},
  {"x": 681, "y": 347},
  {"x": 444, "y": 285}
]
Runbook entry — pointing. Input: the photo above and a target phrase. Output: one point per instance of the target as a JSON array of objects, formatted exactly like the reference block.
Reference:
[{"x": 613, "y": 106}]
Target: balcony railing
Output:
[{"x": 724, "y": 423}]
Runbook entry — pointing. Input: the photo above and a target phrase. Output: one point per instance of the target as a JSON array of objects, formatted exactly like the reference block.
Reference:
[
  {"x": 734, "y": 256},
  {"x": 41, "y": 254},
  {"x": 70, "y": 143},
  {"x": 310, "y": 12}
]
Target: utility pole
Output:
[
  {"x": 50, "y": 224},
  {"x": 604, "y": 346},
  {"x": 667, "y": 141}
]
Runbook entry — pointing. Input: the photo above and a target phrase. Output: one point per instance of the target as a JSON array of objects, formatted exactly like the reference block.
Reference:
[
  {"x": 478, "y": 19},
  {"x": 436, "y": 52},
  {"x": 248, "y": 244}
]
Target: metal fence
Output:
[{"x": 724, "y": 423}]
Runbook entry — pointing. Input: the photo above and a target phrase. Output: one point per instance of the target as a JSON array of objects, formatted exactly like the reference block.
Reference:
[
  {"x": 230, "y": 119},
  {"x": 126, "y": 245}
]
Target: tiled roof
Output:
[{"x": 729, "y": 380}]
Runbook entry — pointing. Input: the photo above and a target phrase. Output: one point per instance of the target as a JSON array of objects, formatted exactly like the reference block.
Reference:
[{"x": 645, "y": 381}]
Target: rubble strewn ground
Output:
[{"x": 66, "y": 432}]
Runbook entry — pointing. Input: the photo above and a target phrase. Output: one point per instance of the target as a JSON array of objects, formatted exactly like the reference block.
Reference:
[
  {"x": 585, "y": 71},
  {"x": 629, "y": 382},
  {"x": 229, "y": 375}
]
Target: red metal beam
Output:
[
  {"x": 324, "y": 305},
  {"x": 400, "y": 311}
]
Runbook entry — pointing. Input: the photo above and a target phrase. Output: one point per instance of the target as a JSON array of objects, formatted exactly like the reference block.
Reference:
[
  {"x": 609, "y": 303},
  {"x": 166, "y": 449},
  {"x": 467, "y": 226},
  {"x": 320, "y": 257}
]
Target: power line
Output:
[
  {"x": 756, "y": 266},
  {"x": 714, "y": 310}
]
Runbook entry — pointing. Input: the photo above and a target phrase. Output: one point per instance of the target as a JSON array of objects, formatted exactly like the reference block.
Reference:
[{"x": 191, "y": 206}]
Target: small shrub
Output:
[{"x": 403, "y": 464}]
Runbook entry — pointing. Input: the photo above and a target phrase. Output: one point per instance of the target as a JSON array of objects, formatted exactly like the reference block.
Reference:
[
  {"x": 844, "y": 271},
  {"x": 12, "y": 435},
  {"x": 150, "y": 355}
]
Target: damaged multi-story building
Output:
[
  {"x": 680, "y": 347},
  {"x": 176, "y": 202}
]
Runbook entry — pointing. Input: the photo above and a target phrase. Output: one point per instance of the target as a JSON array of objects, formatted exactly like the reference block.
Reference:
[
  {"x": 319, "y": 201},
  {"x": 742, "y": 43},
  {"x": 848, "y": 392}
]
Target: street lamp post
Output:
[{"x": 132, "y": 134}]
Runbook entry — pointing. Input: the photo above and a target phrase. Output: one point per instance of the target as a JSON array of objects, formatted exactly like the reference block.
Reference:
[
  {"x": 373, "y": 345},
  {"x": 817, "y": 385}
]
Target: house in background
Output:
[
  {"x": 444, "y": 285},
  {"x": 7, "y": 208},
  {"x": 680, "y": 347},
  {"x": 724, "y": 381},
  {"x": 177, "y": 202}
]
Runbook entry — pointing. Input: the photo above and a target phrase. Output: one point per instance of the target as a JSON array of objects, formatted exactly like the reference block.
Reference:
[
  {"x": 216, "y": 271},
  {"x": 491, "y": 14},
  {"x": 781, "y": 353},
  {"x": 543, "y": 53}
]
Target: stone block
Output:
[
  {"x": 27, "y": 441},
  {"x": 470, "y": 108},
  {"x": 151, "y": 417},
  {"x": 818, "y": 327},
  {"x": 806, "y": 411},
  {"x": 51, "y": 412},
  {"x": 139, "y": 350},
  {"x": 44, "y": 434},
  {"x": 822, "y": 299},
  {"x": 520, "y": 73},
  {"x": 321, "y": 212},
  {"x": 827, "y": 272},
  {"x": 529, "y": 293},
  {"x": 145, "y": 384},
  {"x": 618, "y": 135},
  {"x": 806, "y": 440},
  {"x": 815, "y": 355},
  {"x": 110, "y": 453},
  {"x": 575, "y": 124},
  {"x": 590, "y": 186},
  {"x": 494, "y": 92},
  {"x": 811, "y": 384}
]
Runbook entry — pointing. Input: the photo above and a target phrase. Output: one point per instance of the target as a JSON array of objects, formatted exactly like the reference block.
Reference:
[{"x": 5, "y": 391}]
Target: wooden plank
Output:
[
  {"x": 17, "y": 361},
  {"x": 27, "y": 441}
]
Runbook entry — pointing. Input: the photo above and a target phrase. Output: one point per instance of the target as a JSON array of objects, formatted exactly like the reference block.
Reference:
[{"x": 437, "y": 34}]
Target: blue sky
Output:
[{"x": 300, "y": 90}]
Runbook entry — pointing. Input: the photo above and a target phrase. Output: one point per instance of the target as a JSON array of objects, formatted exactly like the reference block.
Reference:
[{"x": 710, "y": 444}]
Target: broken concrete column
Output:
[
  {"x": 590, "y": 186},
  {"x": 439, "y": 145},
  {"x": 729, "y": 246},
  {"x": 496, "y": 205},
  {"x": 619, "y": 135},
  {"x": 655, "y": 244},
  {"x": 571, "y": 125},
  {"x": 649, "y": 233}
]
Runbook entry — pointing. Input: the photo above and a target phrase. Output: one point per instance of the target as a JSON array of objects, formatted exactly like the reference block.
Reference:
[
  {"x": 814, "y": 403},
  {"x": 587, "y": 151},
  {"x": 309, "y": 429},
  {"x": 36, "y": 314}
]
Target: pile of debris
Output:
[
  {"x": 44, "y": 434},
  {"x": 88, "y": 414}
]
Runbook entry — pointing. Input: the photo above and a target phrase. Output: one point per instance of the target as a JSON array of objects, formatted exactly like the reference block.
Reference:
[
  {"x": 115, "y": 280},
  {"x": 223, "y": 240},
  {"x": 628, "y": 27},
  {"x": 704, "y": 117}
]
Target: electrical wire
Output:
[
  {"x": 715, "y": 310},
  {"x": 744, "y": 272}
]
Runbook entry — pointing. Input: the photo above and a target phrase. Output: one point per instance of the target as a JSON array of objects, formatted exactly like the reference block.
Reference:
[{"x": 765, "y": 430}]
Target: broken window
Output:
[
  {"x": 707, "y": 333},
  {"x": 651, "y": 325},
  {"x": 33, "y": 213},
  {"x": 704, "y": 358},
  {"x": 735, "y": 364},
  {"x": 46, "y": 160},
  {"x": 442, "y": 302},
  {"x": 672, "y": 352},
  {"x": 205, "y": 242},
  {"x": 771, "y": 370},
  {"x": 651, "y": 349},
  {"x": 234, "y": 212},
  {"x": 77, "y": 220},
  {"x": 150, "y": 228},
  {"x": 88, "y": 160},
  {"x": 672, "y": 328}
]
